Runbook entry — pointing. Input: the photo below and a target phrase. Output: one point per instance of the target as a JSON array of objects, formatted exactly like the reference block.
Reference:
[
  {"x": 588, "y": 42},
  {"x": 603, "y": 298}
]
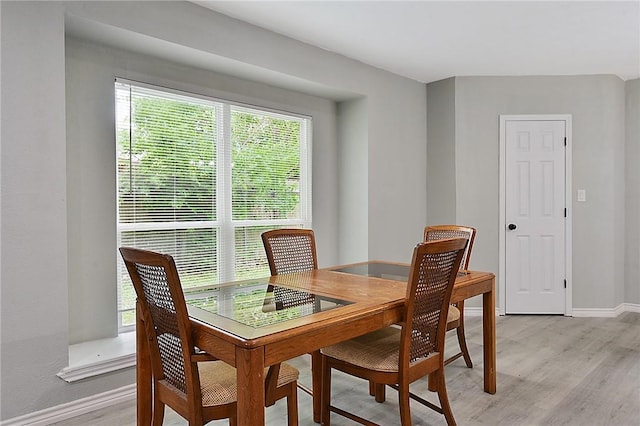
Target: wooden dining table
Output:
[{"x": 256, "y": 323}]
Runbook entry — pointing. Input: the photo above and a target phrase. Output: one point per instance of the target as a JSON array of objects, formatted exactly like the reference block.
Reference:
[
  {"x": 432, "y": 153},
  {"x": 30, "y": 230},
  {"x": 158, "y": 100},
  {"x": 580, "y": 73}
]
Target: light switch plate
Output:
[{"x": 582, "y": 195}]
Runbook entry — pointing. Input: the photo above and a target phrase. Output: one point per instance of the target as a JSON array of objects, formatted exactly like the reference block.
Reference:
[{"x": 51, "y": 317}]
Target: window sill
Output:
[{"x": 89, "y": 359}]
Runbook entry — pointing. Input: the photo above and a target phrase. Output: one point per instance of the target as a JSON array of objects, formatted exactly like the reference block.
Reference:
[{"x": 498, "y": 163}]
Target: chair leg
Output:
[
  {"x": 442, "y": 395},
  {"x": 292, "y": 405},
  {"x": 380, "y": 392},
  {"x": 403, "y": 401},
  {"x": 158, "y": 412},
  {"x": 233, "y": 421},
  {"x": 325, "y": 415},
  {"x": 462, "y": 341}
]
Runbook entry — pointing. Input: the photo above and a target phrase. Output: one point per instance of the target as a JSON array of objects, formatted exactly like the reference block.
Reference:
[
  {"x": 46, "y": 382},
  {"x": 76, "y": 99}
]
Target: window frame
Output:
[{"x": 224, "y": 224}]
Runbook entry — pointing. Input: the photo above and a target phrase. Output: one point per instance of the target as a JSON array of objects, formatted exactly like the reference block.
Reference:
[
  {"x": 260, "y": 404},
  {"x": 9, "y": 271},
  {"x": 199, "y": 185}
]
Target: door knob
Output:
[{"x": 512, "y": 226}]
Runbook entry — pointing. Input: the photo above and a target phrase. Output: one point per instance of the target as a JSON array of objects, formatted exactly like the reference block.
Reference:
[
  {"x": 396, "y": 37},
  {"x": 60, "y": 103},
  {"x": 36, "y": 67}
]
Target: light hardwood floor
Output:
[{"x": 552, "y": 370}]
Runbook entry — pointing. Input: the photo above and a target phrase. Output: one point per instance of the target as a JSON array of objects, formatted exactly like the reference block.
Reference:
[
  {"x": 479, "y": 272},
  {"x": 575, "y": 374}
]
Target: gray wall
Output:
[
  {"x": 48, "y": 217},
  {"x": 597, "y": 105},
  {"x": 441, "y": 156},
  {"x": 632, "y": 199},
  {"x": 353, "y": 171}
]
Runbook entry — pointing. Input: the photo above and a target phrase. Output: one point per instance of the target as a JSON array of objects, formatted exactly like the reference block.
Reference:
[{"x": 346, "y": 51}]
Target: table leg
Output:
[
  {"x": 251, "y": 391},
  {"x": 489, "y": 338},
  {"x": 316, "y": 384},
  {"x": 143, "y": 373}
]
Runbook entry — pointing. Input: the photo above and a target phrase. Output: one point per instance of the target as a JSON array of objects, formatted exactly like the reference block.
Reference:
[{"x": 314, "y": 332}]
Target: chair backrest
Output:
[
  {"x": 290, "y": 250},
  {"x": 167, "y": 326},
  {"x": 434, "y": 268},
  {"x": 442, "y": 232}
]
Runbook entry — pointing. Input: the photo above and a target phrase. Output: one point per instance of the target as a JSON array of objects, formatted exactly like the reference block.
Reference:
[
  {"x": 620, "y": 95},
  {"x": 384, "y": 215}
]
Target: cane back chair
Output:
[
  {"x": 291, "y": 250},
  {"x": 456, "y": 315},
  {"x": 399, "y": 356},
  {"x": 194, "y": 384}
]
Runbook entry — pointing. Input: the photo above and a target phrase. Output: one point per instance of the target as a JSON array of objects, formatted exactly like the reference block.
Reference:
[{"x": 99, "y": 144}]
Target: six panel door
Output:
[{"x": 535, "y": 217}]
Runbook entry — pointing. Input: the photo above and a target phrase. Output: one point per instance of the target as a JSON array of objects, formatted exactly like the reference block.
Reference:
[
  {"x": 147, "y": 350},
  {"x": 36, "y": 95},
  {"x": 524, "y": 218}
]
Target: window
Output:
[{"x": 201, "y": 179}]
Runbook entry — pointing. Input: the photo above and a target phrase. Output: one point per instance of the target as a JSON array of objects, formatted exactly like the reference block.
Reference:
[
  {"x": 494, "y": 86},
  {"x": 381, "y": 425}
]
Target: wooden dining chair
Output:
[
  {"x": 194, "y": 384},
  {"x": 398, "y": 356},
  {"x": 456, "y": 315},
  {"x": 291, "y": 250}
]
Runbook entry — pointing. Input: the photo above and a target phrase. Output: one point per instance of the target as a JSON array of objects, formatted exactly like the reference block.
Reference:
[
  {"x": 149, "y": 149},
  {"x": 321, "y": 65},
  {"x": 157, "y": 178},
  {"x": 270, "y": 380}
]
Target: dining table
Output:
[{"x": 253, "y": 324}]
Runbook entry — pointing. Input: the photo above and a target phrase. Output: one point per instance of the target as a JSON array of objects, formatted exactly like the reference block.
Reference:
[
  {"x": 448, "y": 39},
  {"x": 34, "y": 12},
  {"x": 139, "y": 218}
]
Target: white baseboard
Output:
[
  {"x": 632, "y": 307},
  {"x": 606, "y": 312},
  {"x": 476, "y": 311},
  {"x": 75, "y": 408}
]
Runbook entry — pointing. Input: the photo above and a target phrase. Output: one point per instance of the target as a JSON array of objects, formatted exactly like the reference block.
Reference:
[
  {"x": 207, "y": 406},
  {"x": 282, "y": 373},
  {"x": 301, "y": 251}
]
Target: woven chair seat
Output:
[
  {"x": 378, "y": 350},
  {"x": 218, "y": 381},
  {"x": 453, "y": 315}
]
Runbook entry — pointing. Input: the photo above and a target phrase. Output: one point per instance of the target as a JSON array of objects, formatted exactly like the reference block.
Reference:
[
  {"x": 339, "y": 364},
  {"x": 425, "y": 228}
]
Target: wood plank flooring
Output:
[{"x": 552, "y": 370}]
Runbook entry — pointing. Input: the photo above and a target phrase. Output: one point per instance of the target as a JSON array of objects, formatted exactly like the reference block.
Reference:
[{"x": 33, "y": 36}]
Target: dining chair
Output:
[
  {"x": 456, "y": 315},
  {"x": 291, "y": 250},
  {"x": 194, "y": 384},
  {"x": 398, "y": 356}
]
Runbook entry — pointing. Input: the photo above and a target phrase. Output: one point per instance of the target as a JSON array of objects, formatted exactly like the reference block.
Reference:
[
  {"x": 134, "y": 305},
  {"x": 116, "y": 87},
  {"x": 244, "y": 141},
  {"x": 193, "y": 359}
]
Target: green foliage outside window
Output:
[{"x": 266, "y": 166}]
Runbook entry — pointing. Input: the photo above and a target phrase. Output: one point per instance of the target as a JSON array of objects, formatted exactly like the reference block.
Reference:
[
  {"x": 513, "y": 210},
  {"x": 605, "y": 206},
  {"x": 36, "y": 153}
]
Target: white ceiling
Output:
[{"x": 432, "y": 40}]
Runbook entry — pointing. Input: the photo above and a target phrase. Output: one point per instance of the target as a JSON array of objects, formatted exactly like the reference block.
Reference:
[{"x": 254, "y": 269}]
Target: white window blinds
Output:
[{"x": 201, "y": 179}]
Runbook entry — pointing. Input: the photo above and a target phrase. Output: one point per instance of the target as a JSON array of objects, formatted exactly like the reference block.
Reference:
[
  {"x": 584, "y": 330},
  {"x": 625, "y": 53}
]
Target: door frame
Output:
[{"x": 502, "y": 267}]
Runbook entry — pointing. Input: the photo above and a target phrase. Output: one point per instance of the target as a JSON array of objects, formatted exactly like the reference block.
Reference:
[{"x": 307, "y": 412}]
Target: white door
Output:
[{"x": 535, "y": 216}]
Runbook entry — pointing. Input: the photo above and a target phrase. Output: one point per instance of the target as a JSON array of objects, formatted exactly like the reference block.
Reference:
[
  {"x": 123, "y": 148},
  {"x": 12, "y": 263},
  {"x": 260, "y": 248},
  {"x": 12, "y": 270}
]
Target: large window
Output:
[{"x": 201, "y": 179}]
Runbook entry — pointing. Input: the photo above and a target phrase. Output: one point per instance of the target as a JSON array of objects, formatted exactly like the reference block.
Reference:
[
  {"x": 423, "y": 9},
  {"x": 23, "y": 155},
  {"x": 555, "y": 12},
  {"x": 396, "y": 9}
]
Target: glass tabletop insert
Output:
[
  {"x": 388, "y": 271},
  {"x": 261, "y": 304}
]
